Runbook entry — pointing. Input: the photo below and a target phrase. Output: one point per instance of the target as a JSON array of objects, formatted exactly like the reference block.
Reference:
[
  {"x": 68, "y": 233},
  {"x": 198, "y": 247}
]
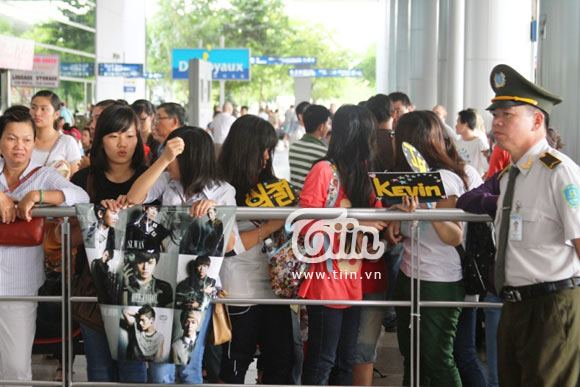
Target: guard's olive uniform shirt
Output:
[{"x": 545, "y": 217}]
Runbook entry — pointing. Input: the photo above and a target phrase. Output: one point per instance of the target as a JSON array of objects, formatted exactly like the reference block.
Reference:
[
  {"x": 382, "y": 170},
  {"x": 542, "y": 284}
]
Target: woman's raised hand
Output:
[{"x": 173, "y": 148}]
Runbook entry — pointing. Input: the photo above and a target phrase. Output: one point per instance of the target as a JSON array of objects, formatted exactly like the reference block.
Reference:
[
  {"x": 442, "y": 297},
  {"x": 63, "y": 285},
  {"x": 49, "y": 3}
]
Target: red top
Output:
[{"x": 345, "y": 280}]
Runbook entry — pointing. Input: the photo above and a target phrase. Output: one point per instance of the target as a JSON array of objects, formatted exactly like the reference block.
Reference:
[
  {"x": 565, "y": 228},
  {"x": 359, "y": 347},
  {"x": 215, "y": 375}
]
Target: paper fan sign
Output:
[
  {"x": 391, "y": 187},
  {"x": 155, "y": 271},
  {"x": 414, "y": 158}
]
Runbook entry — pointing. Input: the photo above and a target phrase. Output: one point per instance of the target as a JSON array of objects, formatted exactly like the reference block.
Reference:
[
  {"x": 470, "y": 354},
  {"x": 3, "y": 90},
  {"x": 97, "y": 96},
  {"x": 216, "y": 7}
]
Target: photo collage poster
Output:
[{"x": 155, "y": 270}]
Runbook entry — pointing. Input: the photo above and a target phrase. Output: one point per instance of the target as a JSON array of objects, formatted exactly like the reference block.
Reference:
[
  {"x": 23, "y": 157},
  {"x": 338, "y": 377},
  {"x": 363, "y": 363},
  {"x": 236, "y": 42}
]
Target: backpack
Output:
[{"x": 478, "y": 259}]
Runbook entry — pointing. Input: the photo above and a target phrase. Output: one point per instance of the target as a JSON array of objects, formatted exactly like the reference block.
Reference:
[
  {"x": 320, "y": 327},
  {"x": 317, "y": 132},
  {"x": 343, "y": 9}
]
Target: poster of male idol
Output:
[{"x": 155, "y": 271}]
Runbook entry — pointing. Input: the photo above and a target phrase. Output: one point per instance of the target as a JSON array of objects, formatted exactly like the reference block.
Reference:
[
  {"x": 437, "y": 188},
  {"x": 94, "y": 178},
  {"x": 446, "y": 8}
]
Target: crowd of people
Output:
[{"x": 137, "y": 153}]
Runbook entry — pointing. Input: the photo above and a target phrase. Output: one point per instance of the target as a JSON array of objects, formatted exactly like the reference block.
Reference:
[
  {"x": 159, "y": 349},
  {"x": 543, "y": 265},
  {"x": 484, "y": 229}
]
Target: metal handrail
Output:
[{"x": 242, "y": 214}]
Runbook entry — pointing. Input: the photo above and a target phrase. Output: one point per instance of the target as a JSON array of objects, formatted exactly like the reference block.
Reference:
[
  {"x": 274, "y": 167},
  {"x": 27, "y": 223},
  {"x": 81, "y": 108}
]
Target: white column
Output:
[
  {"x": 120, "y": 39},
  {"x": 393, "y": 46},
  {"x": 496, "y": 31},
  {"x": 423, "y": 82},
  {"x": 382, "y": 63},
  {"x": 559, "y": 61},
  {"x": 455, "y": 69},
  {"x": 403, "y": 42},
  {"x": 442, "y": 52}
]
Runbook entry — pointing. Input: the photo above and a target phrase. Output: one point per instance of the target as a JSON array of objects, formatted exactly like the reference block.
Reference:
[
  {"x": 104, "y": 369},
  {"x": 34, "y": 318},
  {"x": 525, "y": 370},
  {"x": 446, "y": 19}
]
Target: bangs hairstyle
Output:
[
  {"x": 353, "y": 148},
  {"x": 242, "y": 154},
  {"x": 143, "y": 106},
  {"x": 197, "y": 164},
  {"x": 52, "y": 96},
  {"x": 115, "y": 119},
  {"x": 16, "y": 113},
  {"x": 423, "y": 129}
]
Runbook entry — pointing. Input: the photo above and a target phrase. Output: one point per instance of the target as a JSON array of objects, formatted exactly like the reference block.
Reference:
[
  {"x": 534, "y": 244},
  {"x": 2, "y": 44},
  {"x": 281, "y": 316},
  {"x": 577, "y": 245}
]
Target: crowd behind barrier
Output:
[{"x": 241, "y": 214}]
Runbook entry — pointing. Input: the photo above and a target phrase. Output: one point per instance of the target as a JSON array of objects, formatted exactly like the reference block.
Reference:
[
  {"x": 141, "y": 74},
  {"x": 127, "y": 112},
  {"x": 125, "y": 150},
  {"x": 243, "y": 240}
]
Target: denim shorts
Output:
[{"x": 370, "y": 327}]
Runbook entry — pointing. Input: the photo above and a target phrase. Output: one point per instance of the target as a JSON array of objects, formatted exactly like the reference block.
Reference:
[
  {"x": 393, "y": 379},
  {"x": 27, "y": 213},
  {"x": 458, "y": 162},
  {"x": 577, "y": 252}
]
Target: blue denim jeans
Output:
[
  {"x": 100, "y": 365},
  {"x": 332, "y": 337},
  {"x": 464, "y": 350},
  {"x": 192, "y": 372},
  {"x": 492, "y": 316}
]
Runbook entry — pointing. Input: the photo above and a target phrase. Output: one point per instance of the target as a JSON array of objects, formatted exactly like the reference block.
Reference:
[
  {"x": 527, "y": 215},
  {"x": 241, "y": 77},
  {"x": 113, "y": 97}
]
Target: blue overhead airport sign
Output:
[
  {"x": 277, "y": 60},
  {"x": 156, "y": 76},
  {"x": 229, "y": 64},
  {"x": 122, "y": 70},
  {"x": 325, "y": 73},
  {"x": 77, "y": 69}
]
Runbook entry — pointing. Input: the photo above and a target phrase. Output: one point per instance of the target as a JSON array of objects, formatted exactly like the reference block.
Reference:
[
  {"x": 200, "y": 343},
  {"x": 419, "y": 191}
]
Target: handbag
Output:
[
  {"x": 221, "y": 323},
  {"x": 87, "y": 313},
  {"x": 21, "y": 232},
  {"x": 477, "y": 259},
  {"x": 286, "y": 271}
]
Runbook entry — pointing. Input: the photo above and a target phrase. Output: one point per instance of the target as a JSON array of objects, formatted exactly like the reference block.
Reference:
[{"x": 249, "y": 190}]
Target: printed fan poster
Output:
[{"x": 155, "y": 271}]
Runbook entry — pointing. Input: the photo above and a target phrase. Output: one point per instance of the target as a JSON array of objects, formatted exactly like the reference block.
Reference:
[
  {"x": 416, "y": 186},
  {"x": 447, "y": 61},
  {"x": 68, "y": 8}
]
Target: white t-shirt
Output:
[
  {"x": 246, "y": 275},
  {"x": 474, "y": 179},
  {"x": 221, "y": 125},
  {"x": 471, "y": 152},
  {"x": 171, "y": 193},
  {"x": 65, "y": 148},
  {"x": 439, "y": 261}
]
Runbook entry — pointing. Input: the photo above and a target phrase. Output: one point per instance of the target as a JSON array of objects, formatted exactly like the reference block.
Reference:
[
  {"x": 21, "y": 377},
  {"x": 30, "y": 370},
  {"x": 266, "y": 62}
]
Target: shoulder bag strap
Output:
[{"x": 21, "y": 181}]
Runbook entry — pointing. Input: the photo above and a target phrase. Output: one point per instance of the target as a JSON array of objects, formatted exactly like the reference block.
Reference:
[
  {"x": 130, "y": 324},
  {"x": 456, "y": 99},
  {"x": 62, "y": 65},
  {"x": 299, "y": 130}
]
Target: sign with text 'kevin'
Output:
[
  {"x": 229, "y": 64},
  {"x": 393, "y": 186}
]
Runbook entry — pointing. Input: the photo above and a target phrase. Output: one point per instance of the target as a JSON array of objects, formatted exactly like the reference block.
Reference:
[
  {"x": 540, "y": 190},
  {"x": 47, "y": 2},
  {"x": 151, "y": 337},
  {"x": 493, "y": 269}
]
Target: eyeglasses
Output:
[{"x": 157, "y": 119}]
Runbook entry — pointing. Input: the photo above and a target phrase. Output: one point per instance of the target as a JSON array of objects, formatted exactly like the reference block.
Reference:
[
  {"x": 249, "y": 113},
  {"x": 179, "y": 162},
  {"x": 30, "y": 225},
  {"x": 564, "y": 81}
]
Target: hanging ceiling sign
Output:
[
  {"x": 45, "y": 73},
  {"x": 121, "y": 70},
  {"x": 228, "y": 64},
  {"x": 15, "y": 53},
  {"x": 325, "y": 73},
  {"x": 276, "y": 60}
]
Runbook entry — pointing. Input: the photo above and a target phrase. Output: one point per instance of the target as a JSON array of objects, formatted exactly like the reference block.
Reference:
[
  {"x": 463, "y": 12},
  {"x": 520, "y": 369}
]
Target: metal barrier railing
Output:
[{"x": 257, "y": 213}]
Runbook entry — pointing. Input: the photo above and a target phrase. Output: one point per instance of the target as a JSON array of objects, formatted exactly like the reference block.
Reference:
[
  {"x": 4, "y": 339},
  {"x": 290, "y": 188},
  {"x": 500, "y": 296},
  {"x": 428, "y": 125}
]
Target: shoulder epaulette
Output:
[
  {"x": 549, "y": 160},
  {"x": 503, "y": 171}
]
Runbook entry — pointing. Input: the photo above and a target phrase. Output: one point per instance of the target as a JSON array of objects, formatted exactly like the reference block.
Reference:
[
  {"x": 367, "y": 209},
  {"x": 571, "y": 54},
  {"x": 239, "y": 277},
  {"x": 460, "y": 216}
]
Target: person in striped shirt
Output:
[{"x": 310, "y": 148}]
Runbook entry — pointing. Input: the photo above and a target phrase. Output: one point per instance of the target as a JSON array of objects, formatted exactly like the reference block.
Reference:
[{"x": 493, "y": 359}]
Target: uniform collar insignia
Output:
[{"x": 528, "y": 163}]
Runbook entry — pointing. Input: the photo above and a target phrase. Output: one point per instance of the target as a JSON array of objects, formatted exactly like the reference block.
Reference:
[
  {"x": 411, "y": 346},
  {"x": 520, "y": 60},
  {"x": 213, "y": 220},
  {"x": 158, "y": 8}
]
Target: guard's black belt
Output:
[{"x": 521, "y": 293}]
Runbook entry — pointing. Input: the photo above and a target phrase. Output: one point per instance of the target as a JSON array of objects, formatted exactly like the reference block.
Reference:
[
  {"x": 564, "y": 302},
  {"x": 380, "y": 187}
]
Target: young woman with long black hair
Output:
[
  {"x": 339, "y": 180},
  {"x": 440, "y": 266},
  {"x": 192, "y": 179},
  {"x": 117, "y": 159},
  {"x": 246, "y": 160}
]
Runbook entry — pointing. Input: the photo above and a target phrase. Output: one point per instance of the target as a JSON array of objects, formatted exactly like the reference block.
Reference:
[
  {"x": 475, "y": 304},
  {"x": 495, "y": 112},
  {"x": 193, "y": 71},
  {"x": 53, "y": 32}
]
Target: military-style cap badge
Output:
[
  {"x": 499, "y": 80},
  {"x": 512, "y": 89}
]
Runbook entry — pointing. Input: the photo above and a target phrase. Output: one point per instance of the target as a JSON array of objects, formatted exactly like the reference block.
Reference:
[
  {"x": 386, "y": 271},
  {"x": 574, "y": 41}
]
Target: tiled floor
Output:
[{"x": 390, "y": 364}]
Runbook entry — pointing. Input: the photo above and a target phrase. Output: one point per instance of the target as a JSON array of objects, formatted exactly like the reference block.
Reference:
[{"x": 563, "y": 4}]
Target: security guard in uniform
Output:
[{"x": 538, "y": 241}]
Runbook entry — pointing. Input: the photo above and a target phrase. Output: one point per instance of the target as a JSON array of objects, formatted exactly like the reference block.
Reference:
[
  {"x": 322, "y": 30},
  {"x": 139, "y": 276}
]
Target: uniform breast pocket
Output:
[{"x": 526, "y": 227}]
